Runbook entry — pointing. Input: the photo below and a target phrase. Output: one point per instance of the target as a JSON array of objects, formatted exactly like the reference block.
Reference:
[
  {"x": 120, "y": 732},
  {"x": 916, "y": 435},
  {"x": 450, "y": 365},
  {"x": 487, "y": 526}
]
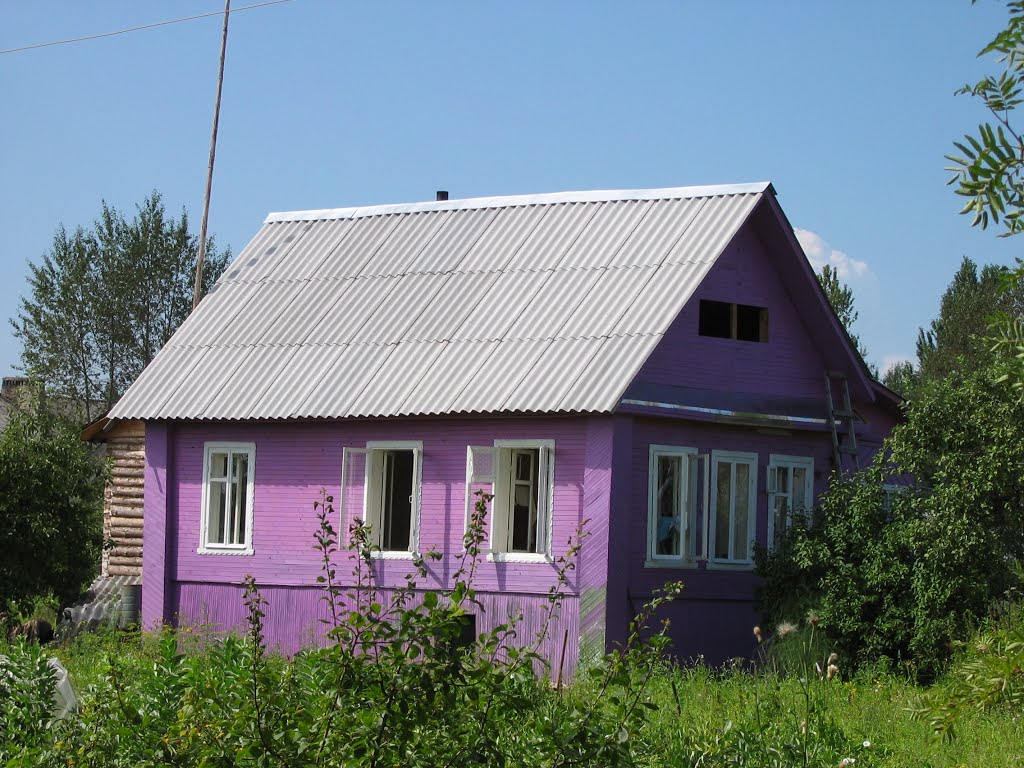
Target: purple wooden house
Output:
[{"x": 661, "y": 363}]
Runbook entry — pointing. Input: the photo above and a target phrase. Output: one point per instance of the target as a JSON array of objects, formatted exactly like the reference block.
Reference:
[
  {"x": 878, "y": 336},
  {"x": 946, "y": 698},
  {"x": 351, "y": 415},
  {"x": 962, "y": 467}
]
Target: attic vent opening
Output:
[{"x": 724, "y": 320}]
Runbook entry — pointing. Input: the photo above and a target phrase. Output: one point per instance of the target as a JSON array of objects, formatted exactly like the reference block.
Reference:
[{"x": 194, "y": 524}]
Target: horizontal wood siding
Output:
[
  {"x": 720, "y": 597},
  {"x": 788, "y": 364},
  {"x": 295, "y": 461},
  {"x": 123, "y": 499}
]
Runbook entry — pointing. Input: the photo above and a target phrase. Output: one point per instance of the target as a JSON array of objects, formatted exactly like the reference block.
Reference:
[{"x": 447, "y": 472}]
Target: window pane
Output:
[
  {"x": 397, "y": 500},
  {"x": 239, "y": 497},
  {"x": 741, "y": 512},
  {"x": 800, "y": 500},
  {"x": 781, "y": 512},
  {"x": 522, "y": 500},
  {"x": 722, "y": 504},
  {"x": 216, "y": 512},
  {"x": 218, "y": 466},
  {"x": 782, "y": 479},
  {"x": 524, "y": 465},
  {"x": 522, "y": 533},
  {"x": 715, "y": 319},
  {"x": 669, "y": 495},
  {"x": 748, "y": 323}
]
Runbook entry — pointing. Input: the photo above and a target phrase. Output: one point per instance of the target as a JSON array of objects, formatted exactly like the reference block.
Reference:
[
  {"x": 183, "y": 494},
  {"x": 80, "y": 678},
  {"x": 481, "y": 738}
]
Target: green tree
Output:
[
  {"x": 840, "y": 296},
  {"x": 104, "y": 300},
  {"x": 51, "y": 493},
  {"x": 960, "y": 337},
  {"x": 902, "y": 576},
  {"x": 988, "y": 169}
]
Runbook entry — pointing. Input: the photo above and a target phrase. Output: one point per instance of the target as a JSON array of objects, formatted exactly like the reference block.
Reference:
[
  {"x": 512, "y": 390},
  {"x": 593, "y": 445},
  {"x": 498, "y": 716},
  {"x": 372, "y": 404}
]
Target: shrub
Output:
[
  {"x": 394, "y": 686},
  {"x": 51, "y": 491},
  {"x": 988, "y": 674},
  {"x": 26, "y": 701},
  {"x": 905, "y": 581}
]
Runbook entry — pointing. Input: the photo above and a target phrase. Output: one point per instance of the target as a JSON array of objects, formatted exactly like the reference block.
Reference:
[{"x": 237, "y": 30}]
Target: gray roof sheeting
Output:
[{"x": 542, "y": 303}]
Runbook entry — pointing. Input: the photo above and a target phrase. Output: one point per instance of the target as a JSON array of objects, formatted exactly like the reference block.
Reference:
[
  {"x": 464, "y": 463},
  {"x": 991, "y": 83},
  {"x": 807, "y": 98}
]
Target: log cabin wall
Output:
[{"x": 122, "y": 499}]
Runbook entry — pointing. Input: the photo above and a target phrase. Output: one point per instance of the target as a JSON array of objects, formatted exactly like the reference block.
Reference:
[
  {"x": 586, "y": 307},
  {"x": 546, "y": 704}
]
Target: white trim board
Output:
[{"x": 592, "y": 196}]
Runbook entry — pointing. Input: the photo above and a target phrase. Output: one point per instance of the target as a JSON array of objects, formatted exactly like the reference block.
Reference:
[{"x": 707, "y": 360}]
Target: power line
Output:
[{"x": 136, "y": 29}]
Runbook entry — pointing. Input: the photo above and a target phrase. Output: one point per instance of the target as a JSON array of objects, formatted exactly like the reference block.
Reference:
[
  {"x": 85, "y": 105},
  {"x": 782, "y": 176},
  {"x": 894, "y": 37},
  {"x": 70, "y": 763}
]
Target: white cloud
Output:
[
  {"x": 891, "y": 361},
  {"x": 820, "y": 253}
]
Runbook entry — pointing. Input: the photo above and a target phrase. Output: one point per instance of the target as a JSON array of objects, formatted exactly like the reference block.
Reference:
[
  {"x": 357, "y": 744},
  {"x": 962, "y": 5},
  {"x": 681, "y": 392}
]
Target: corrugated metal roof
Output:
[{"x": 538, "y": 303}]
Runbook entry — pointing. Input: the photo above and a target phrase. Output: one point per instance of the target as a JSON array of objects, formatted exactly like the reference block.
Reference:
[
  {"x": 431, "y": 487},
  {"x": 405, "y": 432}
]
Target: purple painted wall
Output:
[
  {"x": 715, "y": 617},
  {"x": 296, "y": 617},
  {"x": 294, "y": 461},
  {"x": 157, "y": 519},
  {"x": 788, "y": 364}
]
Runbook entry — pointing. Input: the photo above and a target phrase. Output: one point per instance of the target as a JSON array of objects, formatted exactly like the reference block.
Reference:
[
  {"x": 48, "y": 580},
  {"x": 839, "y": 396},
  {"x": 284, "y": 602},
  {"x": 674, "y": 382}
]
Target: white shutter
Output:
[
  {"x": 417, "y": 498},
  {"x": 352, "y": 502},
  {"x": 480, "y": 465},
  {"x": 545, "y": 492}
]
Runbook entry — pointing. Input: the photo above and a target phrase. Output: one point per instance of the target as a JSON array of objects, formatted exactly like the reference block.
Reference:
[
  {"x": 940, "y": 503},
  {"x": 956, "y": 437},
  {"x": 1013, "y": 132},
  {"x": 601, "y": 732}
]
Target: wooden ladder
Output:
[{"x": 842, "y": 415}]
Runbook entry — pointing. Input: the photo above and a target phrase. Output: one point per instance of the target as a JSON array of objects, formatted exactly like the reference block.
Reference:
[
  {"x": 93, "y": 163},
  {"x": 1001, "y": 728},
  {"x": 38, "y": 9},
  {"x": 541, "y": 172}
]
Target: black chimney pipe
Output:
[{"x": 442, "y": 194}]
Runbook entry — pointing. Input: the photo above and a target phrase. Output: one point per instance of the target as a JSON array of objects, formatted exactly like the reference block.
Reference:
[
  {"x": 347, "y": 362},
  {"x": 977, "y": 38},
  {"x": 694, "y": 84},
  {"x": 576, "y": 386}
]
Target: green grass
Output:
[
  {"x": 695, "y": 705},
  {"x": 878, "y": 711}
]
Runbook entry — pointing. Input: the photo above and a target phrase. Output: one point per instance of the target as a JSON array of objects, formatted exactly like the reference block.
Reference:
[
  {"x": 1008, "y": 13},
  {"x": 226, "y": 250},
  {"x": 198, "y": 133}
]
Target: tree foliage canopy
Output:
[
  {"x": 960, "y": 337},
  {"x": 988, "y": 169},
  {"x": 840, "y": 296},
  {"x": 104, "y": 300},
  {"x": 51, "y": 492}
]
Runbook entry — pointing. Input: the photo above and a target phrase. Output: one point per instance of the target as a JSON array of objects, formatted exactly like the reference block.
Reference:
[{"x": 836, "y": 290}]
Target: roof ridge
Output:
[{"x": 508, "y": 201}]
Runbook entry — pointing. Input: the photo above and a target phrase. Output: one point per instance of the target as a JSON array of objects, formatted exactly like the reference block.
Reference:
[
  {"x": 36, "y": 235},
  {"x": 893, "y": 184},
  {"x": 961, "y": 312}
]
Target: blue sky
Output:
[{"x": 847, "y": 107}]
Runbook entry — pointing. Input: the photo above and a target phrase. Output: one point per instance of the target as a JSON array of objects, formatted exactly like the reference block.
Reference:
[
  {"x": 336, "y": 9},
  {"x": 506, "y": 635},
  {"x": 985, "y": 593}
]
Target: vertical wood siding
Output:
[{"x": 593, "y": 570}]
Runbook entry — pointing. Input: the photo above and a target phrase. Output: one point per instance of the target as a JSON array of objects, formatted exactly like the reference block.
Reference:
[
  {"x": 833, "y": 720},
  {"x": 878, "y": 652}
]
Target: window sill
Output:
[
  {"x": 392, "y": 555},
  {"x": 517, "y": 557},
  {"x": 714, "y": 565},
  {"x": 224, "y": 551},
  {"x": 680, "y": 565}
]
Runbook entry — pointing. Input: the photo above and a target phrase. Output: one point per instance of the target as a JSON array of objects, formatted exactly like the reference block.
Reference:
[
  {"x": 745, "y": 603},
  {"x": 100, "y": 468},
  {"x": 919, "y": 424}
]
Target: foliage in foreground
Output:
[
  {"x": 51, "y": 491},
  {"x": 703, "y": 717},
  {"x": 394, "y": 687},
  {"x": 988, "y": 675},
  {"x": 900, "y": 580}
]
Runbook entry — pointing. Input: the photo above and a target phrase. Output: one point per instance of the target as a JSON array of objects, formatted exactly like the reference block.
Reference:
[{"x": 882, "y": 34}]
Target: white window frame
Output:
[
  {"x": 690, "y": 550},
  {"x": 501, "y": 466},
  {"x": 372, "y": 479},
  {"x": 206, "y": 547},
  {"x": 733, "y": 457},
  {"x": 889, "y": 493},
  {"x": 779, "y": 461}
]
